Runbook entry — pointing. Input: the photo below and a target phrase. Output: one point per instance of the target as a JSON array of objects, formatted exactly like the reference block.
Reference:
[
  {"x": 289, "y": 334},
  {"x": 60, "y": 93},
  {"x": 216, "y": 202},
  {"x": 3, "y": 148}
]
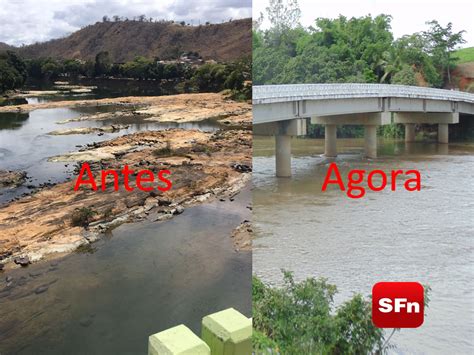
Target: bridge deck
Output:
[{"x": 267, "y": 94}]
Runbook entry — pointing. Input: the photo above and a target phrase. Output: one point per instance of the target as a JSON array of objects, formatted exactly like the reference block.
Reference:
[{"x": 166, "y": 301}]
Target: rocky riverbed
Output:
[
  {"x": 56, "y": 220},
  {"x": 172, "y": 108},
  {"x": 10, "y": 178}
]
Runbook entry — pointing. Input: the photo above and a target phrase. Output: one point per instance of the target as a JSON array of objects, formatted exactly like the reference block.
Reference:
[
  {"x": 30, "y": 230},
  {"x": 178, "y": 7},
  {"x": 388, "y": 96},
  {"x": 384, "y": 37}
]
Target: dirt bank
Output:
[{"x": 59, "y": 220}]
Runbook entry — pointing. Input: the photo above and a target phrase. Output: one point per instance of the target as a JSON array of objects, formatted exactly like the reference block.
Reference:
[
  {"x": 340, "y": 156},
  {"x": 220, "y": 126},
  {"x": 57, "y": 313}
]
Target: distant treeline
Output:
[
  {"x": 144, "y": 18},
  {"x": 14, "y": 71}
]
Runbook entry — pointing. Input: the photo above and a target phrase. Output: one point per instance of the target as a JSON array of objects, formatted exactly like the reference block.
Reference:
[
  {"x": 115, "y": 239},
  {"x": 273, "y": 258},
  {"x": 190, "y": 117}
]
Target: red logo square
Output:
[{"x": 398, "y": 304}]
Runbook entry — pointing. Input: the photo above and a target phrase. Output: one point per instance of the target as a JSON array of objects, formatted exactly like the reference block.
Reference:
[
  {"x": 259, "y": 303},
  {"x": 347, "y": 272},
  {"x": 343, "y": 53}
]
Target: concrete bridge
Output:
[{"x": 283, "y": 110}]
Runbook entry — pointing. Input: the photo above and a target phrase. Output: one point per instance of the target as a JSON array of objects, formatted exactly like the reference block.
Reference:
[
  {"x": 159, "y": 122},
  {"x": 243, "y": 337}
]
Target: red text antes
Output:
[
  {"x": 143, "y": 176},
  {"x": 377, "y": 180}
]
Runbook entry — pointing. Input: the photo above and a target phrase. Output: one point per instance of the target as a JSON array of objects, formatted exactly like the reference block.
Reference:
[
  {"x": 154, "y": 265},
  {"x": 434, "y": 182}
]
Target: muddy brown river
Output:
[{"x": 424, "y": 236}]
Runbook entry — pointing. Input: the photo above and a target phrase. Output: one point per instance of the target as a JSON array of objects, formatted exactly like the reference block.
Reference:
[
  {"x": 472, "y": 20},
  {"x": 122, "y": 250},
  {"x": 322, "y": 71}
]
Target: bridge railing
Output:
[{"x": 226, "y": 332}]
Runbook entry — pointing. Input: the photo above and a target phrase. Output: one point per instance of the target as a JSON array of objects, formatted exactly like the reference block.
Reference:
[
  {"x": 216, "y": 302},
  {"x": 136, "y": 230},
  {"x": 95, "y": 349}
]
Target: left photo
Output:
[{"x": 125, "y": 177}]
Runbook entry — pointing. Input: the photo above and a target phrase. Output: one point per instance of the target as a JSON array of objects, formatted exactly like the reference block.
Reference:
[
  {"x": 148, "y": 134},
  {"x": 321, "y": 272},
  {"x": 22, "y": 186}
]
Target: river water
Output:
[
  {"x": 143, "y": 278},
  {"x": 424, "y": 236},
  {"x": 140, "y": 279},
  {"x": 26, "y": 145}
]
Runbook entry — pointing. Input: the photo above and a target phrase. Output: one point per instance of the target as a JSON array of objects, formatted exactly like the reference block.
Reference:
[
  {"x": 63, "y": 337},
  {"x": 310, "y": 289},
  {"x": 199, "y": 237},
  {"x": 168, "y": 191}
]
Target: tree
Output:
[
  {"x": 51, "y": 68},
  {"x": 301, "y": 318},
  {"x": 283, "y": 14},
  {"x": 442, "y": 41},
  {"x": 405, "y": 76},
  {"x": 102, "y": 63},
  {"x": 73, "y": 67},
  {"x": 13, "y": 71}
]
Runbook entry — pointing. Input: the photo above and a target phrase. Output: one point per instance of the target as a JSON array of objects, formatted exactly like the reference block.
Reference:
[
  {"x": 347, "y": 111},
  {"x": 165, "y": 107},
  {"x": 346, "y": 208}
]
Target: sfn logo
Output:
[{"x": 398, "y": 304}]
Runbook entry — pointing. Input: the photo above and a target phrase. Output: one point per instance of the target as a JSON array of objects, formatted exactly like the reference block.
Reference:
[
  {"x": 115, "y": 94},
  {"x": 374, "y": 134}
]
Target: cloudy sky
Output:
[
  {"x": 409, "y": 16},
  {"x": 29, "y": 21}
]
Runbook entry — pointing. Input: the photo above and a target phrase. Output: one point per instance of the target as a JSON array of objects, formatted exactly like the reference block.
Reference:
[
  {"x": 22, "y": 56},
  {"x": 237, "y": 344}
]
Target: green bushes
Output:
[
  {"x": 12, "y": 71},
  {"x": 300, "y": 318},
  {"x": 81, "y": 217}
]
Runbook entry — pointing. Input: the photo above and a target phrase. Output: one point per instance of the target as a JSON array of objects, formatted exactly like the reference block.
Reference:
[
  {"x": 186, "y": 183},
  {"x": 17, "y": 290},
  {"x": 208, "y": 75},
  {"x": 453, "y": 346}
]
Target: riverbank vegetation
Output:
[
  {"x": 207, "y": 77},
  {"x": 350, "y": 50},
  {"x": 300, "y": 318},
  {"x": 13, "y": 71}
]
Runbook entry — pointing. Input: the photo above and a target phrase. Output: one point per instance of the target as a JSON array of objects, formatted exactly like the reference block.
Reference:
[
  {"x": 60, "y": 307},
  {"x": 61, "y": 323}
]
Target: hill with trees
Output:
[
  {"x": 361, "y": 49},
  {"x": 5, "y": 47},
  {"x": 126, "y": 39}
]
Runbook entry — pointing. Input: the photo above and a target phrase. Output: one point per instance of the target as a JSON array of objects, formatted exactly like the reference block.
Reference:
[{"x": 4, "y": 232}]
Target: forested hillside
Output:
[{"x": 350, "y": 50}]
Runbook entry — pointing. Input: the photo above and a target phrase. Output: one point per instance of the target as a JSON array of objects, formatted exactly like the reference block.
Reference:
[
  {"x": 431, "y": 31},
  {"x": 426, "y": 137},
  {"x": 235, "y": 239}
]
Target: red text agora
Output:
[
  {"x": 356, "y": 178},
  {"x": 142, "y": 176}
]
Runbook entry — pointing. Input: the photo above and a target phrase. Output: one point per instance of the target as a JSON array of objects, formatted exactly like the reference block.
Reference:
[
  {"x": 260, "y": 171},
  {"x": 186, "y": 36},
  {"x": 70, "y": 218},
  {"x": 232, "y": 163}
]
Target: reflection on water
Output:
[
  {"x": 104, "y": 88},
  {"x": 25, "y": 143},
  {"x": 144, "y": 278},
  {"x": 421, "y": 236}
]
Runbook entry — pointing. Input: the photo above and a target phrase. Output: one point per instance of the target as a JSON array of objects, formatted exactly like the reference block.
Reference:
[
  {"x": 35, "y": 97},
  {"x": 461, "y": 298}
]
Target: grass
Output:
[{"x": 465, "y": 55}]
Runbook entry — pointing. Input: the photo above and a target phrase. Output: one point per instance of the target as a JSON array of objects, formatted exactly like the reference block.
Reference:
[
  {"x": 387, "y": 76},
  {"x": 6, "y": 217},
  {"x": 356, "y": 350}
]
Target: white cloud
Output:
[{"x": 29, "y": 21}]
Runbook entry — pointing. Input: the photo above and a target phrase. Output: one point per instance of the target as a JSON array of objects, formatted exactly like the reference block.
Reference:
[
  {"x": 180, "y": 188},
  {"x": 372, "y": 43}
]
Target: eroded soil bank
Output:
[{"x": 57, "y": 220}]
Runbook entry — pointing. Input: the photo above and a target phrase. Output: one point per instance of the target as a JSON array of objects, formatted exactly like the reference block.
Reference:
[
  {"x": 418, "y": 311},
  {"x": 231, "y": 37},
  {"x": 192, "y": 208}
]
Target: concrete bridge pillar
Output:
[
  {"x": 330, "y": 141},
  {"x": 283, "y": 155},
  {"x": 443, "y": 133},
  {"x": 370, "y": 141},
  {"x": 409, "y": 132}
]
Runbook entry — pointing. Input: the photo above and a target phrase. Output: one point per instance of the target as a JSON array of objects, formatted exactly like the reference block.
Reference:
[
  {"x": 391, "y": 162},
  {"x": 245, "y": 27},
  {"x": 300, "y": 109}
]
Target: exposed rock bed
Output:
[
  {"x": 89, "y": 130},
  {"x": 203, "y": 166},
  {"x": 12, "y": 178},
  {"x": 242, "y": 237},
  {"x": 172, "y": 108}
]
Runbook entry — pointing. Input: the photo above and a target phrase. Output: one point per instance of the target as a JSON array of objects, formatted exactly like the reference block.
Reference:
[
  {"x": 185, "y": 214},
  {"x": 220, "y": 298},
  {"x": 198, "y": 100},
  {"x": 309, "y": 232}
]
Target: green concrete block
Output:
[
  {"x": 179, "y": 340},
  {"x": 228, "y": 333}
]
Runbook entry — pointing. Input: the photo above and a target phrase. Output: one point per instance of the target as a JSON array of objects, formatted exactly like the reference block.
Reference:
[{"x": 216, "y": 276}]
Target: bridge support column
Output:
[
  {"x": 283, "y": 155},
  {"x": 330, "y": 140},
  {"x": 443, "y": 133},
  {"x": 409, "y": 132},
  {"x": 371, "y": 141}
]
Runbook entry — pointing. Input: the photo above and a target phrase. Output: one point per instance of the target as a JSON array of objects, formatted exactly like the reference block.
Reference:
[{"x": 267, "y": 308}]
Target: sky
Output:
[
  {"x": 30, "y": 21},
  {"x": 408, "y": 16}
]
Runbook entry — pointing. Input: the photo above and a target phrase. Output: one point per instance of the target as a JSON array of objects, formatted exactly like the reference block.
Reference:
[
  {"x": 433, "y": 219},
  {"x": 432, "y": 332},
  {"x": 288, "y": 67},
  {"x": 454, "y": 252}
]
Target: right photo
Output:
[{"x": 363, "y": 167}]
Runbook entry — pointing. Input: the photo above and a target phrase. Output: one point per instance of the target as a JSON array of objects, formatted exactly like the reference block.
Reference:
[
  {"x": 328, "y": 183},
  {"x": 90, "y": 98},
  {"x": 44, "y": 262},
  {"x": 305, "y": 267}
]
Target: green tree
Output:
[
  {"x": 13, "y": 71},
  {"x": 210, "y": 77},
  {"x": 51, "y": 68},
  {"x": 300, "y": 318},
  {"x": 442, "y": 42},
  {"x": 405, "y": 76},
  {"x": 103, "y": 63},
  {"x": 283, "y": 14},
  {"x": 73, "y": 67},
  {"x": 138, "y": 68}
]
